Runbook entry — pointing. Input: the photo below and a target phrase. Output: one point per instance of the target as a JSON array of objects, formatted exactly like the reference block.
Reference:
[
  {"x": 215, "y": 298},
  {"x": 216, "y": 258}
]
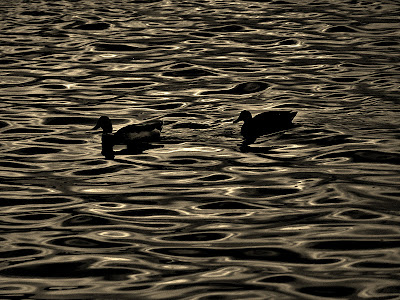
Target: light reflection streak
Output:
[
  {"x": 191, "y": 149},
  {"x": 318, "y": 189}
]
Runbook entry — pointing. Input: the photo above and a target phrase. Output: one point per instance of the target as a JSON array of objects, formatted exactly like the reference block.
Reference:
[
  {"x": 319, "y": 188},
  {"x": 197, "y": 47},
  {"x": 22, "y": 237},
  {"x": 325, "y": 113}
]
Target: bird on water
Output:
[
  {"x": 134, "y": 136},
  {"x": 264, "y": 123}
]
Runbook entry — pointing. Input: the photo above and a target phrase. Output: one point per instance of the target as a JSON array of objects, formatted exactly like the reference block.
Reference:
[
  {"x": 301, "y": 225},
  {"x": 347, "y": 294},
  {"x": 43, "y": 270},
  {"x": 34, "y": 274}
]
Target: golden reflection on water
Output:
[{"x": 309, "y": 212}]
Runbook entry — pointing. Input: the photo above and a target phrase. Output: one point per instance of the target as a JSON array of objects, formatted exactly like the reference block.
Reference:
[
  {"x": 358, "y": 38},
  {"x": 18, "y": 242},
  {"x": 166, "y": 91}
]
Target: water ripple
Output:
[{"x": 306, "y": 213}]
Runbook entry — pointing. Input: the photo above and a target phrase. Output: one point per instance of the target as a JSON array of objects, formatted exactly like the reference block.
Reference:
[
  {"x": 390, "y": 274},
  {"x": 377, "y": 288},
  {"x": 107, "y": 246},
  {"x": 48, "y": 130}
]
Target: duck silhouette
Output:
[
  {"x": 135, "y": 136},
  {"x": 264, "y": 123}
]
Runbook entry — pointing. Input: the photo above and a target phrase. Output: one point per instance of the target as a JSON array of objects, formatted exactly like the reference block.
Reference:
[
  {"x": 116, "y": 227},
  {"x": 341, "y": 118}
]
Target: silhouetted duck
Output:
[
  {"x": 264, "y": 123},
  {"x": 134, "y": 136}
]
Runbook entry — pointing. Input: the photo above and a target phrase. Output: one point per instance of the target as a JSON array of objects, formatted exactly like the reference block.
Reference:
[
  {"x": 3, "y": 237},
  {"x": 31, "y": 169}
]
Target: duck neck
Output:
[
  {"x": 107, "y": 128},
  {"x": 247, "y": 118}
]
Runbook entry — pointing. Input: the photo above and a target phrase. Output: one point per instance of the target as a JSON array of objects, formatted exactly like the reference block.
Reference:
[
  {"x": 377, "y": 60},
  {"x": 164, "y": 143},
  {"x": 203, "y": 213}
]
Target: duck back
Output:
[
  {"x": 275, "y": 118},
  {"x": 145, "y": 132},
  {"x": 142, "y": 127}
]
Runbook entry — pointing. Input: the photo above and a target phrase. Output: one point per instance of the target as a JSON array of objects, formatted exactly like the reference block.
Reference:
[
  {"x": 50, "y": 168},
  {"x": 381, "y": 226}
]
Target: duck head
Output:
[
  {"x": 104, "y": 122},
  {"x": 244, "y": 116}
]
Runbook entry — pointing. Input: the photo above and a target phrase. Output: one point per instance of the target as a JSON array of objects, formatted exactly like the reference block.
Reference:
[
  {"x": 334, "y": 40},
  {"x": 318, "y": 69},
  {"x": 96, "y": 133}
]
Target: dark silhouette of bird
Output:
[
  {"x": 264, "y": 123},
  {"x": 134, "y": 136}
]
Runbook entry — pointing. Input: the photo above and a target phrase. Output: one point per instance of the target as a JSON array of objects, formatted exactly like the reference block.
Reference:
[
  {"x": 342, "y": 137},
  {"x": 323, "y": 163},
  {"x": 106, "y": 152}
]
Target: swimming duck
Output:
[
  {"x": 264, "y": 123},
  {"x": 133, "y": 136}
]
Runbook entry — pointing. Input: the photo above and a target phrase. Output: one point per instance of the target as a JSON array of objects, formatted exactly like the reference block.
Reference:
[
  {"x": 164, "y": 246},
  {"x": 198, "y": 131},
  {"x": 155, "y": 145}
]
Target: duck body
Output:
[
  {"x": 264, "y": 123},
  {"x": 145, "y": 132},
  {"x": 134, "y": 136}
]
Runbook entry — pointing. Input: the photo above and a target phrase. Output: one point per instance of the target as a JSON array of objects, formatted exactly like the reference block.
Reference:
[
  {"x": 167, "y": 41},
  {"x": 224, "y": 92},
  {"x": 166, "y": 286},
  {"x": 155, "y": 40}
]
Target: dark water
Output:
[{"x": 308, "y": 213}]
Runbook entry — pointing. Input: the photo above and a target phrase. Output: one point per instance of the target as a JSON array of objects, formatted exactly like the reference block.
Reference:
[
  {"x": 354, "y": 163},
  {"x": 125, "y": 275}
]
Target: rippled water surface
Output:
[{"x": 311, "y": 212}]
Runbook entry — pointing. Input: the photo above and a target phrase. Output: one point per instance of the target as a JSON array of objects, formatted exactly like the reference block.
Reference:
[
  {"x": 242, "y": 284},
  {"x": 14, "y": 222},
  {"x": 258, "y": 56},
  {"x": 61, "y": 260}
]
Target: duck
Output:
[
  {"x": 134, "y": 136},
  {"x": 264, "y": 123}
]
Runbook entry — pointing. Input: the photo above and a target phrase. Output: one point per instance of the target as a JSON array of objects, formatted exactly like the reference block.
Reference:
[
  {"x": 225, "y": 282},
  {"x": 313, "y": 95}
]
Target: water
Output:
[{"x": 311, "y": 212}]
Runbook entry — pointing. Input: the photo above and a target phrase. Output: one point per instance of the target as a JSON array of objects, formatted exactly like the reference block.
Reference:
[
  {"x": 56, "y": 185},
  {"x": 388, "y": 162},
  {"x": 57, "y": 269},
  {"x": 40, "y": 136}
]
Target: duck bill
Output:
[
  {"x": 237, "y": 120},
  {"x": 96, "y": 127}
]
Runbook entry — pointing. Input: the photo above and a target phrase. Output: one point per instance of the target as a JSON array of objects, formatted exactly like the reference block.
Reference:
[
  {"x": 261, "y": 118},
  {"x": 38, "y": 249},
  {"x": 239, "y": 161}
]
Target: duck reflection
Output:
[
  {"x": 262, "y": 124},
  {"x": 137, "y": 137}
]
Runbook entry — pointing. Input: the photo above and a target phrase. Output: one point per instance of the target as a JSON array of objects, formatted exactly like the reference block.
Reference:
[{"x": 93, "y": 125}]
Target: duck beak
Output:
[
  {"x": 237, "y": 120},
  {"x": 97, "y": 125}
]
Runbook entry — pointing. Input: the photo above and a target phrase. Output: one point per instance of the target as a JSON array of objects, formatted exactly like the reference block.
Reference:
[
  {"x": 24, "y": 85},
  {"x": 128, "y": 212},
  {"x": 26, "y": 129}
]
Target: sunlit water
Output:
[{"x": 308, "y": 213}]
